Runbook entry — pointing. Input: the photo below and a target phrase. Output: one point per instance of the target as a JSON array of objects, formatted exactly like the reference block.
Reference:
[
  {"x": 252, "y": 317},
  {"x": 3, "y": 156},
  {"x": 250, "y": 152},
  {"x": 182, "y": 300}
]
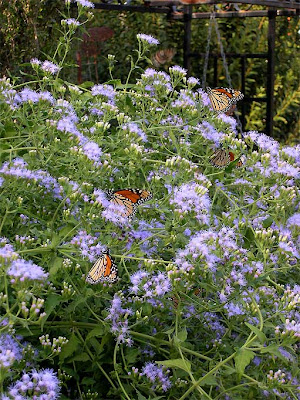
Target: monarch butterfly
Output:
[
  {"x": 222, "y": 99},
  {"x": 128, "y": 198},
  {"x": 221, "y": 158},
  {"x": 104, "y": 270},
  {"x": 162, "y": 57}
]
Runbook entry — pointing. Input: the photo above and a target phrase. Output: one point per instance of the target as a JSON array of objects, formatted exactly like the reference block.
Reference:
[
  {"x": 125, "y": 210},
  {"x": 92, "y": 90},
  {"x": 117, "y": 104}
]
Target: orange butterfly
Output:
[
  {"x": 221, "y": 158},
  {"x": 104, "y": 270},
  {"x": 128, "y": 198},
  {"x": 222, "y": 99}
]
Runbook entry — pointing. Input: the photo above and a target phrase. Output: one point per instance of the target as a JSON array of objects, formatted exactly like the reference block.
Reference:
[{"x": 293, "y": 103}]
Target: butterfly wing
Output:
[
  {"x": 241, "y": 162},
  {"x": 222, "y": 99},
  {"x": 104, "y": 270},
  {"x": 162, "y": 57},
  {"x": 220, "y": 158},
  {"x": 130, "y": 199}
]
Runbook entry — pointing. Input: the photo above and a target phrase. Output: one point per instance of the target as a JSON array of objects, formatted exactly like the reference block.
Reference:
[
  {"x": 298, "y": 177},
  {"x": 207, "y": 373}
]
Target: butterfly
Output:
[
  {"x": 162, "y": 57},
  {"x": 128, "y": 198},
  {"x": 221, "y": 158},
  {"x": 104, "y": 270},
  {"x": 222, "y": 99}
]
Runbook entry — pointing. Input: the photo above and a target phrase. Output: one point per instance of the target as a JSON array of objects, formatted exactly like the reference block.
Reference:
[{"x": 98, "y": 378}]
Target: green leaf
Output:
[
  {"x": 242, "y": 359},
  {"x": 52, "y": 301},
  {"x": 99, "y": 331},
  {"x": 267, "y": 222},
  {"x": 55, "y": 265},
  {"x": 169, "y": 331},
  {"x": 69, "y": 348},
  {"x": 176, "y": 363},
  {"x": 81, "y": 357},
  {"x": 182, "y": 335},
  {"x": 261, "y": 336},
  {"x": 272, "y": 349}
]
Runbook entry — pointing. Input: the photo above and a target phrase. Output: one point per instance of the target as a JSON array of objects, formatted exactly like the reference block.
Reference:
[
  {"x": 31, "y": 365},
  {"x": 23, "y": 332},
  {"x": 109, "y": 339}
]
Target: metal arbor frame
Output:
[{"x": 171, "y": 8}]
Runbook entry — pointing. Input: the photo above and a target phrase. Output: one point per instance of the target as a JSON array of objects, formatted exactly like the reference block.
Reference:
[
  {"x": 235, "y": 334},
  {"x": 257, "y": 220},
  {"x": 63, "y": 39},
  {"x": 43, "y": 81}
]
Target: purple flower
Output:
[
  {"x": 212, "y": 321},
  {"x": 177, "y": 70},
  {"x": 192, "y": 81},
  {"x": 150, "y": 285},
  {"x": 92, "y": 151},
  {"x": 132, "y": 127},
  {"x": 264, "y": 142},
  {"x": 10, "y": 351},
  {"x": 119, "y": 322},
  {"x": 234, "y": 309},
  {"x": 294, "y": 220},
  {"x": 18, "y": 169},
  {"x": 71, "y": 22},
  {"x": 50, "y": 67},
  {"x": 192, "y": 197},
  {"x": 156, "y": 375},
  {"x": 147, "y": 38},
  {"x": 104, "y": 90},
  {"x": 26, "y": 270},
  {"x": 85, "y": 3},
  {"x": 35, "y": 61},
  {"x": 42, "y": 385},
  {"x": 207, "y": 131},
  {"x": 7, "y": 252},
  {"x": 89, "y": 245},
  {"x": 204, "y": 98}
]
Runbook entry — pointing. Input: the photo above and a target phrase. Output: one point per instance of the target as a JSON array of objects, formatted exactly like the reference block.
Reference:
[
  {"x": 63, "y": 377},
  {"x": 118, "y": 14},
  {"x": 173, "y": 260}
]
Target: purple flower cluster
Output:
[
  {"x": 178, "y": 71},
  {"x": 207, "y": 247},
  {"x": 185, "y": 100},
  {"x": 89, "y": 148},
  {"x": 294, "y": 220},
  {"x": 22, "y": 270},
  {"x": 264, "y": 142},
  {"x": 207, "y": 131},
  {"x": 119, "y": 322},
  {"x": 89, "y": 245},
  {"x": 156, "y": 375},
  {"x": 18, "y": 169},
  {"x": 48, "y": 66},
  {"x": 192, "y": 197},
  {"x": 36, "y": 385},
  {"x": 212, "y": 321},
  {"x": 156, "y": 82},
  {"x": 71, "y": 22},
  {"x": 7, "y": 253},
  {"x": 105, "y": 91},
  {"x": 10, "y": 351},
  {"x": 85, "y": 3},
  {"x": 142, "y": 232},
  {"x": 150, "y": 285},
  {"x": 147, "y": 39},
  {"x": 132, "y": 127}
]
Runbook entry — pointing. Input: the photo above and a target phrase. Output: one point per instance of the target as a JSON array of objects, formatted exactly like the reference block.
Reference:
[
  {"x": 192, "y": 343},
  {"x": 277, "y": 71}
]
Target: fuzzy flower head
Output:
[
  {"x": 192, "y": 197},
  {"x": 118, "y": 317},
  {"x": 43, "y": 385},
  {"x": 157, "y": 376},
  {"x": 50, "y": 67},
  {"x": 89, "y": 245},
  {"x": 7, "y": 253},
  {"x": 72, "y": 22},
  {"x": 147, "y": 39},
  {"x": 23, "y": 270},
  {"x": 106, "y": 91},
  {"x": 85, "y": 3},
  {"x": 150, "y": 285},
  {"x": 10, "y": 351},
  {"x": 177, "y": 72}
]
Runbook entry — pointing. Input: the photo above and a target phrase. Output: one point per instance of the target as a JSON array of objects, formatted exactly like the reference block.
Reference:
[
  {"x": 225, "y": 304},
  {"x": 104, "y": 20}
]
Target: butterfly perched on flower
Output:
[
  {"x": 129, "y": 199},
  {"x": 104, "y": 270},
  {"x": 222, "y": 157},
  {"x": 222, "y": 99},
  {"x": 162, "y": 57}
]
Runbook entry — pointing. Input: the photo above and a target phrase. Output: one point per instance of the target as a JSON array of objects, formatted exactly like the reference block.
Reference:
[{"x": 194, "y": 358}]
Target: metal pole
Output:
[
  {"x": 271, "y": 71},
  {"x": 243, "y": 65},
  {"x": 187, "y": 20},
  {"x": 215, "y": 70}
]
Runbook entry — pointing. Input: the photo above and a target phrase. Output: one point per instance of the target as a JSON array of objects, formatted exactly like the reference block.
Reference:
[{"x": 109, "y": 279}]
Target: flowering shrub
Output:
[{"x": 207, "y": 301}]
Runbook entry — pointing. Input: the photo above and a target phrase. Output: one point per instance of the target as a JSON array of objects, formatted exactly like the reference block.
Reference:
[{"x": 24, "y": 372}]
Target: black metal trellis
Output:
[{"x": 170, "y": 8}]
